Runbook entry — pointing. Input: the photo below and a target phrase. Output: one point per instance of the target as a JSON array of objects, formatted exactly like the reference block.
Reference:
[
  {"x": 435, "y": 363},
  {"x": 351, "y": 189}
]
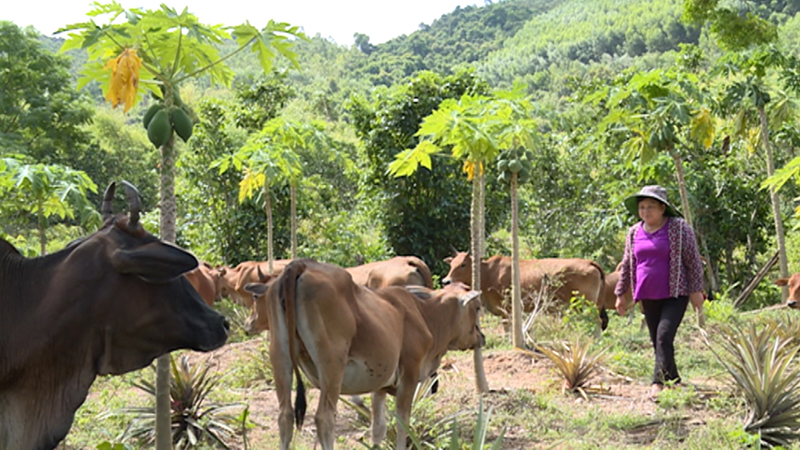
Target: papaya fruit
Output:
[
  {"x": 515, "y": 166},
  {"x": 148, "y": 115},
  {"x": 159, "y": 130},
  {"x": 181, "y": 123}
]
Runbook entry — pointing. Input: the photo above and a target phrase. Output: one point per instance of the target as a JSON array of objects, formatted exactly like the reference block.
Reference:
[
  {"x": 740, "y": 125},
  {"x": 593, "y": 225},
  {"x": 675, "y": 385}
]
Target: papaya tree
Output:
[
  {"x": 267, "y": 157},
  {"x": 747, "y": 90},
  {"x": 48, "y": 190},
  {"x": 659, "y": 111},
  {"x": 158, "y": 50},
  {"x": 476, "y": 129}
]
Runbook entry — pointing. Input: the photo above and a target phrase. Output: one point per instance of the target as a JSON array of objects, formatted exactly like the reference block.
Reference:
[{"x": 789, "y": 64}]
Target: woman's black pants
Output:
[{"x": 663, "y": 318}]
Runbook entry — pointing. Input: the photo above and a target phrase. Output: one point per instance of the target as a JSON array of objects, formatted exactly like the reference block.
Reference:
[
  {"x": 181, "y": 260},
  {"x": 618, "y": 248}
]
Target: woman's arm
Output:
[{"x": 691, "y": 261}]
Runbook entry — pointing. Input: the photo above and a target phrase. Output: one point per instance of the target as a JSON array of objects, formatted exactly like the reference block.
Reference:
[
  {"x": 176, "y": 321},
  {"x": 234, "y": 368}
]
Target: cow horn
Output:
[
  {"x": 107, "y": 209},
  {"x": 261, "y": 277},
  {"x": 134, "y": 204},
  {"x": 455, "y": 252}
]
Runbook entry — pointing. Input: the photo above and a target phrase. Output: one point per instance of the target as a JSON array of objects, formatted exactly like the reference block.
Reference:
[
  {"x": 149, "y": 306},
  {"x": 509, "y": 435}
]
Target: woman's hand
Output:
[
  {"x": 697, "y": 299},
  {"x": 621, "y": 306}
]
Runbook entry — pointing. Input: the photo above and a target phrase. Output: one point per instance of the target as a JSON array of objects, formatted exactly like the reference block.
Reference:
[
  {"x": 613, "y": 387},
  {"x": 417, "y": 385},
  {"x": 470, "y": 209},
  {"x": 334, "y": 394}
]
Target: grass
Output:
[{"x": 706, "y": 412}]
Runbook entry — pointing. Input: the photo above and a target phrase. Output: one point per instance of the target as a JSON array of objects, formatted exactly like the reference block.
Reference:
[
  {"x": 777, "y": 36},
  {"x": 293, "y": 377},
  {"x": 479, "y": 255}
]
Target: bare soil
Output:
[{"x": 508, "y": 372}]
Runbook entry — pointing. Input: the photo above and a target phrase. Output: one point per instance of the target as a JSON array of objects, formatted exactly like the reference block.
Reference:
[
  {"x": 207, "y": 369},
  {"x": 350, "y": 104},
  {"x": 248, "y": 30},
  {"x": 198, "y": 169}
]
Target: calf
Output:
[{"x": 348, "y": 339}]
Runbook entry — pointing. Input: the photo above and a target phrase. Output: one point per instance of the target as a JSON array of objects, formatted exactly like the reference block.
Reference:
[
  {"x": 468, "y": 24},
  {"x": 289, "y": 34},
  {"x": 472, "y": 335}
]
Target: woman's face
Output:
[{"x": 651, "y": 211}]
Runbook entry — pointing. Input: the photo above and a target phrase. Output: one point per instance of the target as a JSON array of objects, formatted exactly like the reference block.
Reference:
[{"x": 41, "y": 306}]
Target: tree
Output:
[
  {"x": 266, "y": 157},
  {"x": 48, "y": 190},
  {"x": 423, "y": 214},
  {"x": 660, "y": 111},
  {"x": 174, "y": 47},
  {"x": 477, "y": 128},
  {"x": 40, "y": 113}
]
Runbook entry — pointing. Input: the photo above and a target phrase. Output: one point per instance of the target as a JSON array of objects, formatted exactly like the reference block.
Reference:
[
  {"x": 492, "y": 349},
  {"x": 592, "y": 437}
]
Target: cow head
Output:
[
  {"x": 794, "y": 289},
  {"x": 464, "y": 306},
  {"x": 140, "y": 303},
  {"x": 257, "y": 320},
  {"x": 460, "y": 269}
]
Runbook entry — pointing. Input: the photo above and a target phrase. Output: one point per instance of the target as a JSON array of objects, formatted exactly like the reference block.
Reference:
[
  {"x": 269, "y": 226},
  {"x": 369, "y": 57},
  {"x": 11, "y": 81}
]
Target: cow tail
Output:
[
  {"x": 424, "y": 271},
  {"x": 601, "y": 292},
  {"x": 288, "y": 291}
]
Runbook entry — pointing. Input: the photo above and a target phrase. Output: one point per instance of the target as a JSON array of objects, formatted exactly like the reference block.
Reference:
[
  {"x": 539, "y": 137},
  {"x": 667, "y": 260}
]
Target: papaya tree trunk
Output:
[
  {"x": 776, "y": 203},
  {"x": 476, "y": 224},
  {"x": 268, "y": 210},
  {"x": 517, "y": 340},
  {"x": 167, "y": 231},
  {"x": 293, "y": 214},
  {"x": 687, "y": 214}
]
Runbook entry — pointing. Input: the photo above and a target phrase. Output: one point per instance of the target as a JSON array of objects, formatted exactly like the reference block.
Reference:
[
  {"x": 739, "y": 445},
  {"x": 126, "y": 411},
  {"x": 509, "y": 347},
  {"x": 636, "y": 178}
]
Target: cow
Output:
[
  {"x": 206, "y": 280},
  {"x": 398, "y": 271},
  {"x": 581, "y": 275},
  {"x": 609, "y": 299},
  {"x": 234, "y": 279},
  {"x": 107, "y": 304},
  {"x": 349, "y": 339},
  {"x": 794, "y": 289}
]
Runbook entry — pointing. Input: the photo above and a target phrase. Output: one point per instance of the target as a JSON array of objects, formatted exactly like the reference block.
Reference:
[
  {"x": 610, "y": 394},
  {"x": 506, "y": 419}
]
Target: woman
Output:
[{"x": 662, "y": 265}]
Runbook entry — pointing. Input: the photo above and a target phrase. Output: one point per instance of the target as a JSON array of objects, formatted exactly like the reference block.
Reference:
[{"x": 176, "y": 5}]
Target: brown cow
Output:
[
  {"x": 106, "y": 304},
  {"x": 349, "y": 339},
  {"x": 206, "y": 280},
  {"x": 609, "y": 299},
  {"x": 794, "y": 289},
  {"x": 233, "y": 280},
  {"x": 398, "y": 271},
  {"x": 581, "y": 275}
]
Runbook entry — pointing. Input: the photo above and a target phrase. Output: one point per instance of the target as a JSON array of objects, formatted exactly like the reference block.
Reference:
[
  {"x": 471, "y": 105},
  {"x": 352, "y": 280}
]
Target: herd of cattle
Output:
[{"x": 114, "y": 301}]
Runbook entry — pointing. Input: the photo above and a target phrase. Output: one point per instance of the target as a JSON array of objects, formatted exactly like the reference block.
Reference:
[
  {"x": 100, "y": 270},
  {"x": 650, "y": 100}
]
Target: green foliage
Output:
[
  {"x": 463, "y": 36},
  {"x": 195, "y": 420},
  {"x": 761, "y": 366},
  {"x": 44, "y": 191},
  {"x": 174, "y": 46},
  {"x": 41, "y": 115},
  {"x": 427, "y": 213}
]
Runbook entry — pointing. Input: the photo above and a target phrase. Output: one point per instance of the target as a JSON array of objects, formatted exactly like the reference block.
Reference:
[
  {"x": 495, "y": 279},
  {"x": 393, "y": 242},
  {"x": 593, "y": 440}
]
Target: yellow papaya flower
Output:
[
  {"x": 469, "y": 169},
  {"x": 124, "y": 78}
]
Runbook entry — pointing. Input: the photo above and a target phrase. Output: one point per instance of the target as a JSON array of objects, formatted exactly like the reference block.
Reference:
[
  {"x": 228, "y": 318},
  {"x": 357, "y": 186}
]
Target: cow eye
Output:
[{"x": 463, "y": 264}]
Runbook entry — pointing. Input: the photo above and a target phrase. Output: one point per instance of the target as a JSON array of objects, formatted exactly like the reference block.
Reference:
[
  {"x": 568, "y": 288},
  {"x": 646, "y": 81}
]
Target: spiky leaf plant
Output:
[
  {"x": 761, "y": 364},
  {"x": 576, "y": 361},
  {"x": 478, "y": 439},
  {"x": 424, "y": 426},
  {"x": 195, "y": 420}
]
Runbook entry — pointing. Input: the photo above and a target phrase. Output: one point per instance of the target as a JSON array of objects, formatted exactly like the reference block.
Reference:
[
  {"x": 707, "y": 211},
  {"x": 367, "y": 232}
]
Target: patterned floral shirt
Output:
[{"x": 685, "y": 266}]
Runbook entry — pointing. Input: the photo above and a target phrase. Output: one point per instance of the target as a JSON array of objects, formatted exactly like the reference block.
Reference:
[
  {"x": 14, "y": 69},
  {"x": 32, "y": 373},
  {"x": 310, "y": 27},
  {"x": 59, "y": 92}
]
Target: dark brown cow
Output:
[
  {"x": 106, "y": 304},
  {"x": 206, "y": 280},
  {"x": 233, "y": 280},
  {"x": 349, "y": 339},
  {"x": 794, "y": 289},
  {"x": 398, "y": 271},
  {"x": 581, "y": 275}
]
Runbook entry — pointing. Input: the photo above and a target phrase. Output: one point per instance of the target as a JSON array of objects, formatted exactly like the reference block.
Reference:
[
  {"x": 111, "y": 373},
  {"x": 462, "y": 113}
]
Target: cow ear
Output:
[
  {"x": 782, "y": 281},
  {"x": 256, "y": 288},
  {"x": 448, "y": 260},
  {"x": 470, "y": 296},
  {"x": 421, "y": 292},
  {"x": 157, "y": 262}
]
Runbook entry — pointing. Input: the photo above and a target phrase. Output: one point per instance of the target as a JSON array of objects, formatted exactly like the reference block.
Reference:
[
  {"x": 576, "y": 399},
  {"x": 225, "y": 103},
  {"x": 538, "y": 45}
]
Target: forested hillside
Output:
[{"x": 623, "y": 91}]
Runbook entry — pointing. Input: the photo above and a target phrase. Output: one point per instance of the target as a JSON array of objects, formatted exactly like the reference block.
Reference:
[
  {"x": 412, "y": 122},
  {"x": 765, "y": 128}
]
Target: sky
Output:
[{"x": 334, "y": 19}]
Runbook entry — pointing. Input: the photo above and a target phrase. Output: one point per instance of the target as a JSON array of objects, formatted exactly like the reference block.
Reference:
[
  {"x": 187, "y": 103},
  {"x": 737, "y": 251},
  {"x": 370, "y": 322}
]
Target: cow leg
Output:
[
  {"x": 403, "y": 400},
  {"x": 378, "y": 417},
  {"x": 330, "y": 369},
  {"x": 282, "y": 373}
]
